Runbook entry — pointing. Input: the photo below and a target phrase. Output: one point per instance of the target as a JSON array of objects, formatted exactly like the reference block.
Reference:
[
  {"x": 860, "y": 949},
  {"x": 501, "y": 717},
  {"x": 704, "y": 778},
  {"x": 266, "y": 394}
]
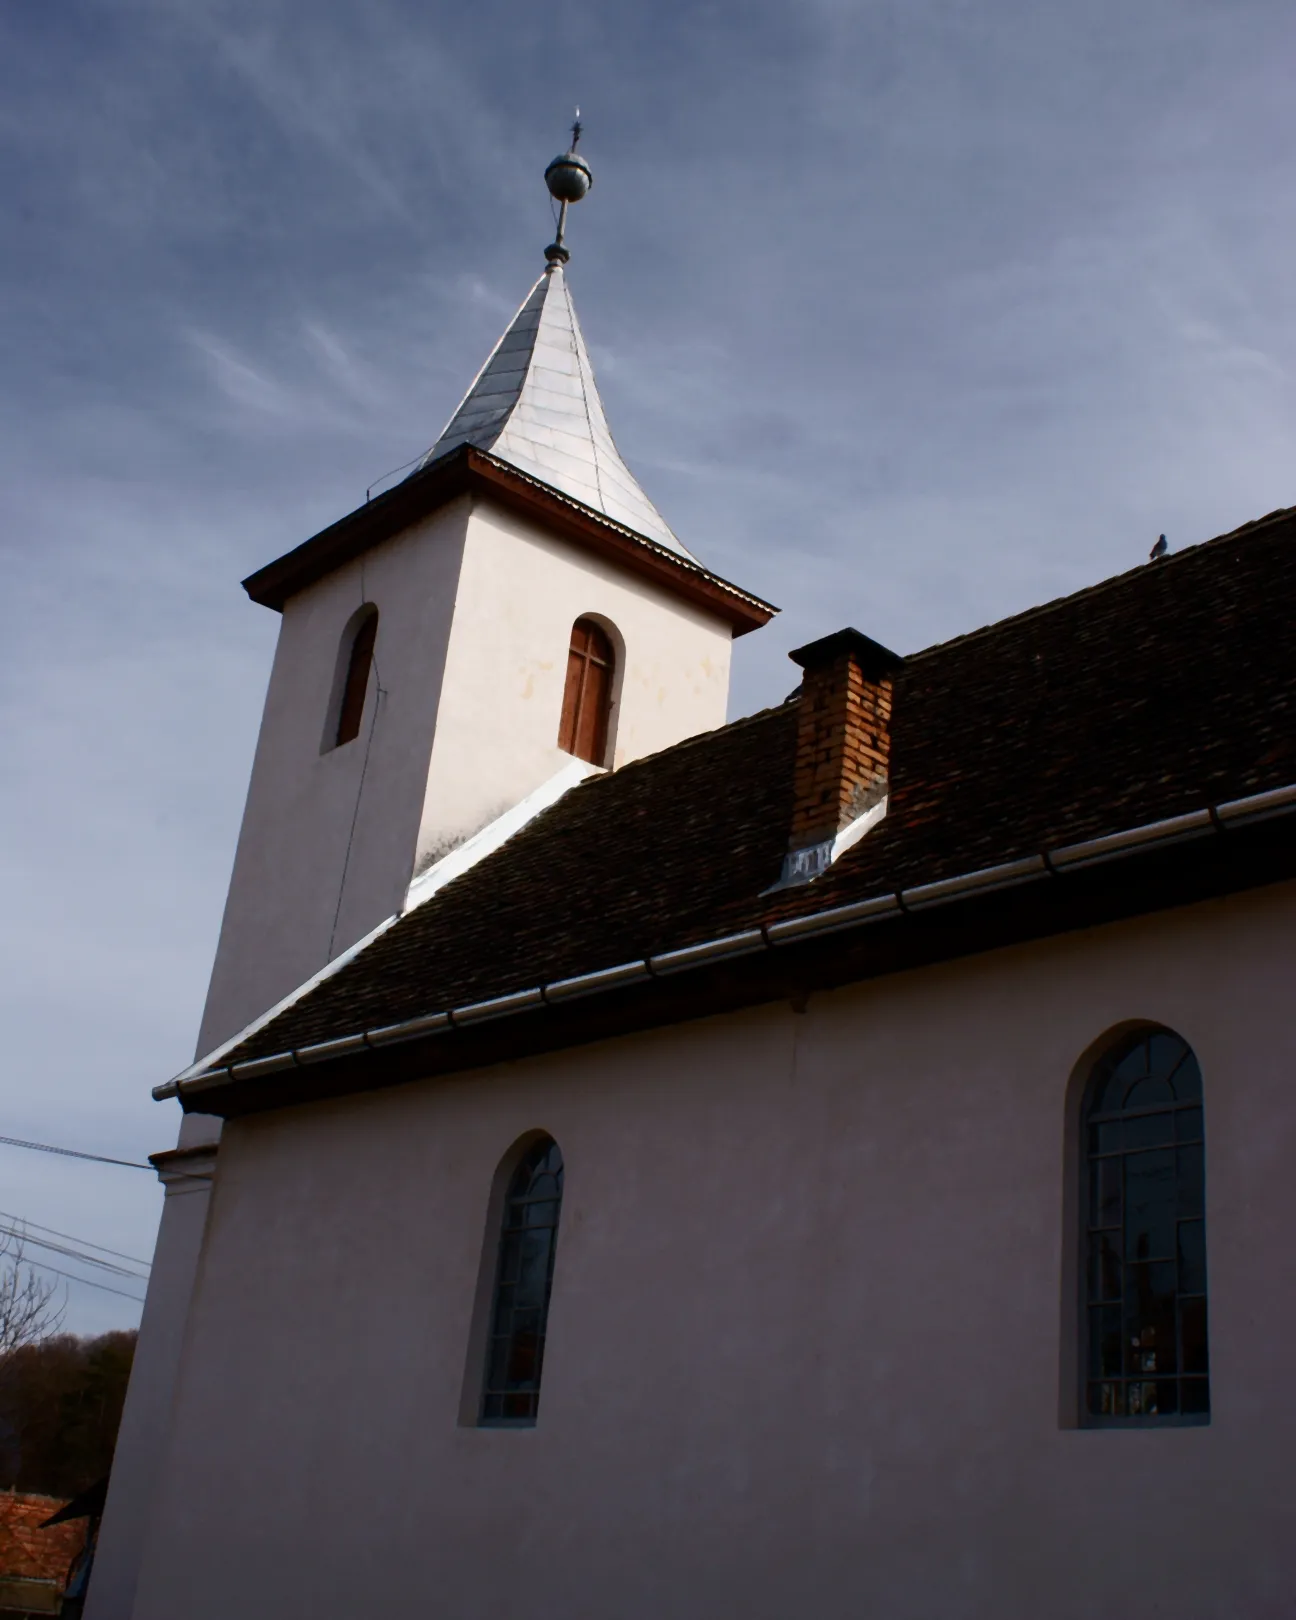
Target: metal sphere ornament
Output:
[{"x": 568, "y": 177}]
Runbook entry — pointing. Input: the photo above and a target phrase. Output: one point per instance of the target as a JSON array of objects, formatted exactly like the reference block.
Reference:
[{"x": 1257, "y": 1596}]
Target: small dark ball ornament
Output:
[{"x": 568, "y": 177}]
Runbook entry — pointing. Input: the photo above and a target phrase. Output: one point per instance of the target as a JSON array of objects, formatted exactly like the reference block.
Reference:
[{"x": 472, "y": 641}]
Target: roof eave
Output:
[
  {"x": 471, "y": 471},
  {"x": 1161, "y": 867}
]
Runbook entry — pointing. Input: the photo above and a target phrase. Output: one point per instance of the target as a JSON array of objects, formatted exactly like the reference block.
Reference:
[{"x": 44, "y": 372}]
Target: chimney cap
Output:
[{"x": 874, "y": 659}]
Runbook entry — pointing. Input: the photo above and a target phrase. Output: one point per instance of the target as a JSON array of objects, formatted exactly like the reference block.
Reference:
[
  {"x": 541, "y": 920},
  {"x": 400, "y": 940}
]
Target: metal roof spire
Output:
[
  {"x": 535, "y": 403},
  {"x": 568, "y": 178}
]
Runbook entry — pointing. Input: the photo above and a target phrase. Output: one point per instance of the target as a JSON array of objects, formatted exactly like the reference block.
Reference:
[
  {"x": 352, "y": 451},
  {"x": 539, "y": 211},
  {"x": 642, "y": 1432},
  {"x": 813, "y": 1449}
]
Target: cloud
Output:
[{"x": 908, "y": 315}]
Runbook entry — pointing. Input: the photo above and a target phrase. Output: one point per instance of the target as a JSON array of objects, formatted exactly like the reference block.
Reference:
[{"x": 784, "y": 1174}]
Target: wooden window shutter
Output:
[
  {"x": 357, "y": 679},
  {"x": 587, "y": 697}
]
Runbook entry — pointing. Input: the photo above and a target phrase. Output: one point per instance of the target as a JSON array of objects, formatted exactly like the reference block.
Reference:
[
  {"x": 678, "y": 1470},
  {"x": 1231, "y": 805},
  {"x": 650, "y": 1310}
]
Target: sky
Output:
[{"x": 907, "y": 314}]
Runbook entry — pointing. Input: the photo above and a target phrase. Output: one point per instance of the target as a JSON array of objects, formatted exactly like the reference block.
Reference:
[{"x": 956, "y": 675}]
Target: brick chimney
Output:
[{"x": 843, "y": 745}]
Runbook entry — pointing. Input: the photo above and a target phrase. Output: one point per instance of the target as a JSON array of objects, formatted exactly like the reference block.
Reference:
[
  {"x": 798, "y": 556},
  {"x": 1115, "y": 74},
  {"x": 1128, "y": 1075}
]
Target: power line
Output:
[
  {"x": 72, "y": 1277},
  {"x": 21, "y": 1220},
  {"x": 24, "y": 1238},
  {"x": 71, "y": 1153}
]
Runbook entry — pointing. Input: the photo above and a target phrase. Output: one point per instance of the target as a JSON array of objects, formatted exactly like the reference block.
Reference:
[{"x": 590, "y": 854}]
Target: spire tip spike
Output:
[{"x": 568, "y": 178}]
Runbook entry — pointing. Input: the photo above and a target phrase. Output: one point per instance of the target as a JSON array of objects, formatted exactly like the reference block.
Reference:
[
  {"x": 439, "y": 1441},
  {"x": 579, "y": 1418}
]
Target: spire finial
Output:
[{"x": 568, "y": 178}]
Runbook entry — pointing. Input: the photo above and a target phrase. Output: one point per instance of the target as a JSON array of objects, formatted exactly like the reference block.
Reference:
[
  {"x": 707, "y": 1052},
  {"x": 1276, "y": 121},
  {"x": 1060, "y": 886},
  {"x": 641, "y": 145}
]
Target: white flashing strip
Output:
[
  {"x": 495, "y": 833},
  {"x": 202, "y": 1064},
  {"x": 805, "y": 865},
  {"x": 851, "y": 834},
  {"x": 458, "y": 861},
  {"x": 985, "y": 880}
]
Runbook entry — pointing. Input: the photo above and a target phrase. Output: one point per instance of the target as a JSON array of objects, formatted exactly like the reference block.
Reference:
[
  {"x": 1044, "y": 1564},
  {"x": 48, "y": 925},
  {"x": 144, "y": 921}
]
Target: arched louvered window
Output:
[
  {"x": 523, "y": 1282},
  {"x": 359, "y": 656},
  {"x": 1145, "y": 1235},
  {"x": 587, "y": 697}
]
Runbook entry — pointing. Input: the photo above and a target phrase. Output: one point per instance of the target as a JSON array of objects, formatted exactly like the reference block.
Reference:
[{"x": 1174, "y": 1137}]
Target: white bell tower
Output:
[
  {"x": 515, "y": 610},
  {"x": 423, "y": 680}
]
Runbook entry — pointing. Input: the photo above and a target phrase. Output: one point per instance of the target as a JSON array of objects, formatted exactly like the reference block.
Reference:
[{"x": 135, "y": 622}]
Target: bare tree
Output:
[{"x": 29, "y": 1308}]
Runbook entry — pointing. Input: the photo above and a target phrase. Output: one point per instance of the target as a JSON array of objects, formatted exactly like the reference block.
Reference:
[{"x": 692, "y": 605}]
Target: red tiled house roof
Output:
[{"x": 28, "y": 1553}]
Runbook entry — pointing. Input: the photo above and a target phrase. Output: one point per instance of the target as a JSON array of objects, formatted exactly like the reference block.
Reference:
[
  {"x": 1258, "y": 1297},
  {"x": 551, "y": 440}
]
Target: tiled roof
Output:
[
  {"x": 535, "y": 405},
  {"x": 27, "y": 1551},
  {"x": 1153, "y": 694}
]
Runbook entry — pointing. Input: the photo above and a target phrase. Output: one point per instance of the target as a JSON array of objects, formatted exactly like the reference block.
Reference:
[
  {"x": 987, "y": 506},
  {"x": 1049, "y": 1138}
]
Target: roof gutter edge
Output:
[{"x": 1056, "y": 863}]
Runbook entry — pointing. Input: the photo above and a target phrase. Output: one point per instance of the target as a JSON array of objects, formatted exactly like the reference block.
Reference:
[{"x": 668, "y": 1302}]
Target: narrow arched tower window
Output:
[
  {"x": 1145, "y": 1235},
  {"x": 587, "y": 697},
  {"x": 356, "y": 684},
  {"x": 523, "y": 1282}
]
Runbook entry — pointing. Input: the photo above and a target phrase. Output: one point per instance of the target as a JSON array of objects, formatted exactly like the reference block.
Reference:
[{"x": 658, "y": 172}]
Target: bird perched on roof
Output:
[{"x": 1159, "y": 550}]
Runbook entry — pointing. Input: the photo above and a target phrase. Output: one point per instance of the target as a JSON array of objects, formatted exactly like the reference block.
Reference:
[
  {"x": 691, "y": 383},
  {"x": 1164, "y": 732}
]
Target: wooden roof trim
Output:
[{"x": 470, "y": 471}]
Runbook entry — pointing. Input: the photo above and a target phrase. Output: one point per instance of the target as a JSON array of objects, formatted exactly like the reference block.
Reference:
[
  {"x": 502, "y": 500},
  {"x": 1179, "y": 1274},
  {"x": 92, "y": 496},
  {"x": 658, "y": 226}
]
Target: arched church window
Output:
[
  {"x": 359, "y": 657},
  {"x": 523, "y": 1283},
  {"x": 587, "y": 697},
  {"x": 1145, "y": 1235}
]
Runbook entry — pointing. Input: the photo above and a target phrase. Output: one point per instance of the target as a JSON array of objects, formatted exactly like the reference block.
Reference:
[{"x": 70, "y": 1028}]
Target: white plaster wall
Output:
[
  {"x": 520, "y": 591},
  {"x": 475, "y": 614},
  {"x": 805, "y": 1336},
  {"x": 283, "y": 910},
  {"x": 141, "y": 1440}
]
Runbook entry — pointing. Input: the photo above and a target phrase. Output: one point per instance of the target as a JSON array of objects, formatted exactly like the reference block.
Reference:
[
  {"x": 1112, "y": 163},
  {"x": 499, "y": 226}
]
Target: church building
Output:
[{"x": 831, "y": 1164}]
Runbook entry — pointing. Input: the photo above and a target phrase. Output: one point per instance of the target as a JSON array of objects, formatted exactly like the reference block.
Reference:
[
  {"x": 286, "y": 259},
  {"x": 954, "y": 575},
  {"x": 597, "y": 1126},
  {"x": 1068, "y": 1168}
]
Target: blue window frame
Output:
[
  {"x": 523, "y": 1284},
  {"x": 1146, "y": 1353}
]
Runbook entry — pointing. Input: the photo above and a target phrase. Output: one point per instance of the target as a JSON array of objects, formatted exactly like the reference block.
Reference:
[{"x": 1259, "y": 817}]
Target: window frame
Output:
[
  {"x": 572, "y": 712},
  {"x": 528, "y": 1160},
  {"x": 1099, "y": 1071},
  {"x": 360, "y": 628}
]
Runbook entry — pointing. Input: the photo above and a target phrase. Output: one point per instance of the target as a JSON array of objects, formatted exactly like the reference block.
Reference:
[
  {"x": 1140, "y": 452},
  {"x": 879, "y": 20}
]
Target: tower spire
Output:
[
  {"x": 568, "y": 178},
  {"x": 535, "y": 404}
]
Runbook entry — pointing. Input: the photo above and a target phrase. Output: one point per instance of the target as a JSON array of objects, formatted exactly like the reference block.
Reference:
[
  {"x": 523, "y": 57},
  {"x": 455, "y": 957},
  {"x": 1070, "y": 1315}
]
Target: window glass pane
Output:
[
  {"x": 1105, "y": 1268},
  {"x": 1126, "y": 1069},
  {"x": 1105, "y": 1195},
  {"x": 1105, "y": 1341},
  {"x": 1194, "y": 1396},
  {"x": 1150, "y": 1202},
  {"x": 1147, "y": 1130},
  {"x": 1192, "y": 1180},
  {"x": 1192, "y": 1257},
  {"x": 1150, "y": 1319},
  {"x": 524, "y": 1360},
  {"x": 1106, "y": 1400},
  {"x": 510, "y": 1260},
  {"x": 524, "y": 1278},
  {"x": 497, "y": 1372},
  {"x": 1192, "y": 1327},
  {"x": 1188, "y": 1124},
  {"x": 1145, "y": 1242},
  {"x": 1145, "y": 1093},
  {"x": 1165, "y": 1054},
  {"x": 533, "y": 1282},
  {"x": 1141, "y": 1400},
  {"x": 1187, "y": 1079}
]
